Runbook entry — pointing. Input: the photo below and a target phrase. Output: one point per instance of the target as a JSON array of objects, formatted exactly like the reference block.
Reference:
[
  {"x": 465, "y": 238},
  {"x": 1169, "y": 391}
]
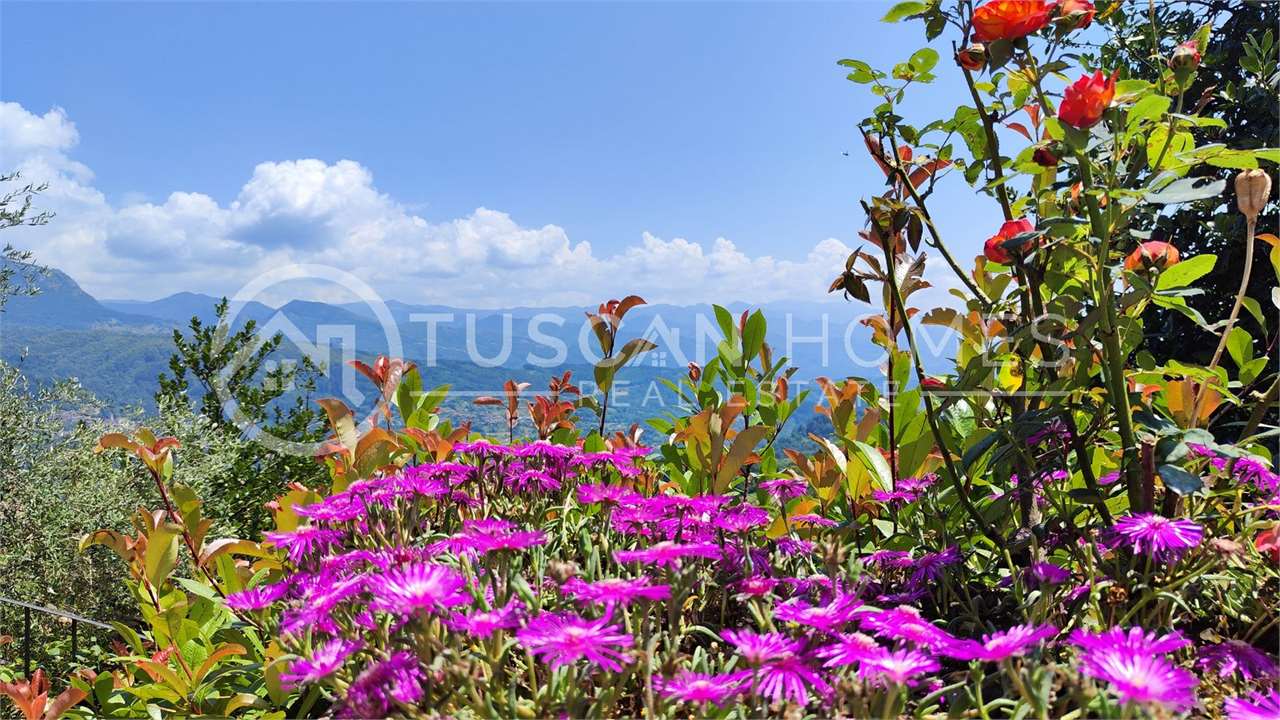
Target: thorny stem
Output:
[
  {"x": 993, "y": 146},
  {"x": 952, "y": 473},
  {"x": 1113, "y": 360}
]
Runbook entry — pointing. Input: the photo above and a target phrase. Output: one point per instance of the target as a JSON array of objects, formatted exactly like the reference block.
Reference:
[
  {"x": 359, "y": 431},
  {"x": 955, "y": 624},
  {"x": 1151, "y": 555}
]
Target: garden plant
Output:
[{"x": 1062, "y": 526}]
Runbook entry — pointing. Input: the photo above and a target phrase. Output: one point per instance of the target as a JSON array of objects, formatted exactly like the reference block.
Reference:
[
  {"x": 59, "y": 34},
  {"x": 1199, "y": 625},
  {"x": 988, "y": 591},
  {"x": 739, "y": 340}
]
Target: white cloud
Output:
[{"x": 310, "y": 211}]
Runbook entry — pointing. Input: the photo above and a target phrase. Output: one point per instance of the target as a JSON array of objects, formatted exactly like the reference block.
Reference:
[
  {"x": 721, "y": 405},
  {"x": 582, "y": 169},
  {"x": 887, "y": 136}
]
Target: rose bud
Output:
[
  {"x": 1074, "y": 14},
  {"x": 1044, "y": 157},
  {"x": 1186, "y": 57},
  {"x": 973, "y": 57},
  {"x": 1086, "y": 100},
  {"x": 1153, "y": 254},
  {"x": 695, "y": 372},
  {"x": 1253, "y": 189}
]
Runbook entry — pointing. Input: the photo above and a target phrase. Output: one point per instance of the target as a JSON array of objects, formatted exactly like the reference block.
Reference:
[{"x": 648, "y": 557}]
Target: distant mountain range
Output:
[{"x": 116, "y": 348}]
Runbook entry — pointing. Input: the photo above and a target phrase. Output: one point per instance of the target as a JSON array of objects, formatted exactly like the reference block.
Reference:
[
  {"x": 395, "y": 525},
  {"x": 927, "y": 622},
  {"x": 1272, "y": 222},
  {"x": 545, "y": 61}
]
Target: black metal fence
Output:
[{"x": 75, "y": 620}]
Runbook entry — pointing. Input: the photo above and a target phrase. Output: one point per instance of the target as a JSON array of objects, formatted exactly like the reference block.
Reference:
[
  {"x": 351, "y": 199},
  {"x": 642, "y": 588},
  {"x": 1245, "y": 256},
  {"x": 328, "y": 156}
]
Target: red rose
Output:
[
  {"x": 1086, "y": 99},
  {"x": 973, "y": 57},
  {"x": 1009, "y": 19},
  {"x": 1075, "y": 14},
  {"x": 1153, "y": 254},
  {"x": 994, "y": 247}
]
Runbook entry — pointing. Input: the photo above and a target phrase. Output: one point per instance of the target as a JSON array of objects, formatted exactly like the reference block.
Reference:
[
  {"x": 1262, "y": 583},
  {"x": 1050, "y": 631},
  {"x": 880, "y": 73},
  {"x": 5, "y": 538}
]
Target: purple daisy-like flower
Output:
[
  {"x": 1047, "y": 573},
  {"x": 812, "y": 520},
  {"x": 305, "y": 541},
  {"x": 1159, "y": 536},
  {"x": 693, "y": 687},
  {"x": 420, "y": 586},
  {"x": 789, "y": 678},
  {"x": 894, "y": 497},
  {"x": 562, "y": 638},
  {"x": 615, "y": 591},
  {"x": 1233, "y": 656},
  {"x": 905, "y": 623},
  {"x": 374, "y": 691},
  {"x": 484, "y": 623},
  {"x": 1141, "y": 678},
  {"x": 786, "y": 488},
  {"x": 827, "y": 618},
  {"x": 794, "y": 546},
  {"x": 257, "y": 598},
  {"x": 930, "y": 565},
  {"x": 755, "y": 586},
  {"x": 1135, "y": 640},
  {"x": 1001, "y": 645},
  {"x": 917, "y": 484},
  {"x": 890, "y": 558},
  {"x": 898, "y": 667},
  {"x": 1259, "y": 706},
  {"x": 531, "y": 480},
  {"x": 850, "y": 649},
  {"x": 668, "y": 553},
  {"x": 324, "y": 661},
  {"x": 741, "y": 518},
  {"x": 760, "y": 648},
  {"x": 605, "y": 494}
]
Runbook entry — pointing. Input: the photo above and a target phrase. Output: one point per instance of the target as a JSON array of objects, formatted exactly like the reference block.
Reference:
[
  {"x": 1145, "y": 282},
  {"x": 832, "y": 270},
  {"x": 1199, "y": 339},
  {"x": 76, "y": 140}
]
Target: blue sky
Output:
[{"x": 570, "y": 124}]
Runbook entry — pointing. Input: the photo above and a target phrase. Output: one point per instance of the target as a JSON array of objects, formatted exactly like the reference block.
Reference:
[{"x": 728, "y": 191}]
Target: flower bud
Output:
[
  {"x": 1186, "y": 57},
  {"x": 973, "y": 57},
  {"x": 1074, "y": 14},
  {"x": 695, "y": 372},
  {"x": 1253, "y": 189},
  {"x": 1045, "y": 157}
]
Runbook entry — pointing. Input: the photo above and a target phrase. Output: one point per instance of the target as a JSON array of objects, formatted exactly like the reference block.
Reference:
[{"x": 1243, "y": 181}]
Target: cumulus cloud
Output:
[{"x": 314, "y": 212}]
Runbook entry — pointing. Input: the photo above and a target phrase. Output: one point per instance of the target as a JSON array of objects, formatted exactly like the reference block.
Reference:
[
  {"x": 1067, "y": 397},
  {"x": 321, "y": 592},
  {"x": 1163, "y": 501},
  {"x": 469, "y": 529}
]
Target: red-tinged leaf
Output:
[
  {"x": 926, "y": 171},
  {"x": 1021, "y": 129},
  {"x": 1033, "y": 112},
  {"x": 365, "y": 370},
  {"x": 341, "y": 421},
  {"x": 877, "y": 154},
  {"x": 627, "y": 303},
  {"x": 115, "y": 440}
]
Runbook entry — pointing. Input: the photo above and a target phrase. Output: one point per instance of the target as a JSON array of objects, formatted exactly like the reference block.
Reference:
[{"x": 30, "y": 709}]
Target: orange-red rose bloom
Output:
[
  {"x": 994, "y": 248},
  {"x": 1009, "y": 19},
  {"x": 1152, "y": 254},
  {"x": 1075, "y": 14},
  {"x": 1268, "y": 543},
  {"x": 1086, "y": 99}
]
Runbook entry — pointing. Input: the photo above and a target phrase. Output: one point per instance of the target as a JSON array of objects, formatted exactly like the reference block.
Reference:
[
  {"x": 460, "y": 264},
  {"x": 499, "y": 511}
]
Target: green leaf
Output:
[
  {"x": 902, "y": 10},
  {"x": 924, "y": 59},
  {"x": 162, "y": 553},
  {"x": 753, "y": 335},
  {"x": 1187, "y": 190},
  {"x": 1268, "y": 154},
  {"x": 1234, "y": 159},
  {"x": 1186, "y": 272},
  {"x": 875, "y": 463},
  {"x": 1240, "y": 346},
  {"x": 1151, "y": 107},
  {"x": 1179, "y": 142},
  {"x": 1180, "y": 481}
]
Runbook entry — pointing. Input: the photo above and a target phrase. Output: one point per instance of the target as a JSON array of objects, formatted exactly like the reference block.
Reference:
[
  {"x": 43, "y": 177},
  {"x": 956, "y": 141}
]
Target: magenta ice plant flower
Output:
[
  {"x": 563, "y": 638},
  {"x": 420, "y": 586},
  {"x": 484, "y": 623},
  {"x": 850, "y": 649},
  {"x": 257, "y": 598},
  {"x": 1159, "y": 536},
  {"x": 827, "y": 618},
  {"x": 1141, "y": 678},
  {"x": 376, "y": 690},
  {"x": 667, "y": 553},
  {"x": 701, "y": 688},
  {"x": 615, "y": 591},
  {"x": 1002, "y": 645},
  {"x": 1263, "y": 705},
  {"x": 897, "y": 667},
  {"x": 1234, "y": 656},
  {"x": 1134, "y": 639},
  {"x": 325, "y": 660}
]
